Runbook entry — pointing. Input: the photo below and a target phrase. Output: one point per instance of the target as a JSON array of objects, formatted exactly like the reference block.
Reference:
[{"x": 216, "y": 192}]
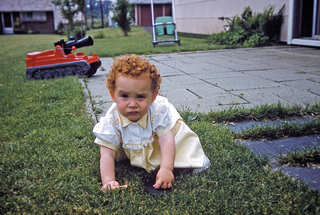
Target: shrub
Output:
[
  {"x": 18, "y": 27},
  {"x": 61, "y": 29},
  {"x": 78, "y": 33},
  {"x": 99, "y": 35},
  {"x": 251, "y": 30},
  {"x": 121, "y": 10}
]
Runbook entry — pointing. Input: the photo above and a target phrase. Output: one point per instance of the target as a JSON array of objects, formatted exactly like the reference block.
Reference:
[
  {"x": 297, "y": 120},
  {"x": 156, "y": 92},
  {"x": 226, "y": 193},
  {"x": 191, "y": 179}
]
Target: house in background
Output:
[
  {"x": 143, "y": 10},
  {"x": 301, "y": 18},
  {"x": 304, "y": 22},
  {"x": 39, "y": 16}
]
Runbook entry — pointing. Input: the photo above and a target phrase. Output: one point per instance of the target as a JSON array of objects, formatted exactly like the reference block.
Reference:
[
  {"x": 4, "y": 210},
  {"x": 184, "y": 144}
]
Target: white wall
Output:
[{"x": 201, "y": 16}]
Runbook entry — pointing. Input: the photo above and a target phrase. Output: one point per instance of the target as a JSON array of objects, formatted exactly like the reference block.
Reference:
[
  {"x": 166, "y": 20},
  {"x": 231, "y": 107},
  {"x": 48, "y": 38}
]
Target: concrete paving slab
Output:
[
  {"x": 285, "y": 95},
  {"x": 165, "y": 70},
  {"x": 200, "y": 104},
  {"x": 282, "y": 75},
  {"x": 204, "y": 76},
  {"x": 179, "y": 80},
  {"x": 99, "y": 98},
  {"x": 219, "y": 102},
  {"x": 213, "y": 68},
  {"x": 305, "y": 84},
  {"x": 201, "y": 97},
  {"x": 308, "y": 175},
  {"x": 236, "y": 64},
  {"x": 258, "y": 97},
  {"x": 257, "y": 73},
  {"x": 183, "y": 66},
  {"x": 182, "y": 98},
  {"x": 305, "y": 70},
  {"x": 241, "y": 82},
  {"x": 242, "y": 126},
  {"x": 274, "y": 148},
  {"x": 298, "y": 97},
  {"x": 106, "y": 65},
  {"x": 280, "y": 64},
  {"x": 206, "y": 91}
]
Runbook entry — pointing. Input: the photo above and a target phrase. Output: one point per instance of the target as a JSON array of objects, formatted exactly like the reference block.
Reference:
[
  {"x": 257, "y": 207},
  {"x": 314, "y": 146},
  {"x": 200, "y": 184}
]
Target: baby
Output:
[{"x": 144, "y": 127}]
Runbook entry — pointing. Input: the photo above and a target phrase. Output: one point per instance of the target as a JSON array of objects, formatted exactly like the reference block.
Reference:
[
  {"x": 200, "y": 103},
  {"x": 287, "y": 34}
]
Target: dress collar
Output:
[{"x": 142, "y": 122}]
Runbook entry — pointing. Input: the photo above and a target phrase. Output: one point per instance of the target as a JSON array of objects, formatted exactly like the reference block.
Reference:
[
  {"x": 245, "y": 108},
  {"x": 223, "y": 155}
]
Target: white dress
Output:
[{"x": 138, "y": 141}]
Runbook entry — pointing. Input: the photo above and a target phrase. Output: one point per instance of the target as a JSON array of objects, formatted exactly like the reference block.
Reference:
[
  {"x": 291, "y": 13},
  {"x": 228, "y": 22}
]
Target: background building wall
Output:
[
  {"x": 204, "y": 16},
  {"x": 46, "y": 27}
]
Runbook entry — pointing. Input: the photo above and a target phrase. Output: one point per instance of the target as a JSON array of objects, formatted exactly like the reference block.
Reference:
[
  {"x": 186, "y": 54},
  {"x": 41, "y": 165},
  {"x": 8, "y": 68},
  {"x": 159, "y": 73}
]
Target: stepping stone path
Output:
[{"x": 273, "y": 148}]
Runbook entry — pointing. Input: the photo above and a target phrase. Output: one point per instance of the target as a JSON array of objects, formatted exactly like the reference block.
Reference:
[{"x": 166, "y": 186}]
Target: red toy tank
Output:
[{"x": 62, "y": 61}]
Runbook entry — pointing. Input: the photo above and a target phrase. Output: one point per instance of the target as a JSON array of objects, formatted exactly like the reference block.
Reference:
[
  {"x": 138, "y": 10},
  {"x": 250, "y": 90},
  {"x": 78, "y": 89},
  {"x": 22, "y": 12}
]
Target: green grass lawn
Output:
[
  {"x": 139, "y": 41},
  {"x": 49, "y": 164}
]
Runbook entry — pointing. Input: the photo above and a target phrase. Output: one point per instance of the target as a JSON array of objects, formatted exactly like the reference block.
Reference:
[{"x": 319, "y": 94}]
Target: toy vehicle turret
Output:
[
  {"x": 62, "y": 61},
  {"x": 67, "y": 46}
]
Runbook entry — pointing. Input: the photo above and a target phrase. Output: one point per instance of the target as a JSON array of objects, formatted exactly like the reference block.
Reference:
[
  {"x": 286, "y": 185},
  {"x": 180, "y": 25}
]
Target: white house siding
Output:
[{"x": 202, "y": 16}]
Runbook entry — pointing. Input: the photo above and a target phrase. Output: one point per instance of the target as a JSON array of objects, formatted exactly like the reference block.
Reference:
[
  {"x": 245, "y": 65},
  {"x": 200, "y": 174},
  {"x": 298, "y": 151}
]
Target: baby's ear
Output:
[
  {"x": 154, "y": 96},
  {"x": 112, "y": 94}
]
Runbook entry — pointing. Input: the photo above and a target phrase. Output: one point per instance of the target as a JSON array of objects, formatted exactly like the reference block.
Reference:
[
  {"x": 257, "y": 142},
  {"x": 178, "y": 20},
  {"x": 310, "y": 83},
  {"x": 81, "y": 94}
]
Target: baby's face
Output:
[{"x": 133, "y": 97}]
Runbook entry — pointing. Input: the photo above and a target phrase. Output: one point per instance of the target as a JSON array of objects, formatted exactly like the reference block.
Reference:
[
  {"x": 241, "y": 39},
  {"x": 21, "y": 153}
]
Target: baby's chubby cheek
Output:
[{"x": 121, "y": 109}]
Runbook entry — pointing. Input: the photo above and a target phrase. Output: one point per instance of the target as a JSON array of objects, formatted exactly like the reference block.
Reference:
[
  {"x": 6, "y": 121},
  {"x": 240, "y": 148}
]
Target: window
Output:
[{"x": 34, "y": 16}]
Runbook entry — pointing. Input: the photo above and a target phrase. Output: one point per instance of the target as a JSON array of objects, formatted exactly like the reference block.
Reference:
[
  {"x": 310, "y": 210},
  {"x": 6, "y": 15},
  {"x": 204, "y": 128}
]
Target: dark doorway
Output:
[{"x": 307, "y": 18}]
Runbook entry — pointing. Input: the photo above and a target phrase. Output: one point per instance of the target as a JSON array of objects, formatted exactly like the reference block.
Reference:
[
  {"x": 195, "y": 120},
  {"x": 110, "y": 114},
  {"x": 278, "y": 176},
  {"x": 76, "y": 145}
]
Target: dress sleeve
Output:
[
  {"x": 107, "y": 133},
  {"x": 162, "y": 120}
]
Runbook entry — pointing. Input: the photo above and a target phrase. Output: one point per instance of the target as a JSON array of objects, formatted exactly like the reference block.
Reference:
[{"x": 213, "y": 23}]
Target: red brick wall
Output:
[
  {"x": 41, "y": 27},
  {"x": 144, "y": 13}
]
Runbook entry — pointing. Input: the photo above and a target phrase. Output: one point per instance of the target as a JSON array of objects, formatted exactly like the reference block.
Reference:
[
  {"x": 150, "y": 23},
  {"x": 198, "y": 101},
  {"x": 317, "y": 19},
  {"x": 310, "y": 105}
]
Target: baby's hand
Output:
[
  {"x": 164, "y": 179},
  {"x": 111, "y": 185}
]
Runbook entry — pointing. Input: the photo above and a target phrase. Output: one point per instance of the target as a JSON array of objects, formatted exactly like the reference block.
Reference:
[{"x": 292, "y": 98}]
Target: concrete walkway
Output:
[{"x": 216, "y": 80}]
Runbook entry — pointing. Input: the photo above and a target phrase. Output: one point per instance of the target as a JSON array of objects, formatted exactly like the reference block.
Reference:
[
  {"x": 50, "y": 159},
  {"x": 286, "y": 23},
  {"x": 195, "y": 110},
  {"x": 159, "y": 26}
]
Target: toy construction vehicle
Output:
[{"x": 62, "y": 61}]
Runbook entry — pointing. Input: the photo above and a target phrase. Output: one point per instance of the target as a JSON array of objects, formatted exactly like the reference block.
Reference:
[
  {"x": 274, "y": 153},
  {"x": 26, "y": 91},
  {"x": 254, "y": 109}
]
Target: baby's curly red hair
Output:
[{"x": 133, "y": 66}]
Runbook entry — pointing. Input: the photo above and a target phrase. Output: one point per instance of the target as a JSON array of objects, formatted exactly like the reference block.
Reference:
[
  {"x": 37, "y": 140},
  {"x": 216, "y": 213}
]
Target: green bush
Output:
[
  {"x": 61, "y": 29},
  {"x": 99, "y": 35},
  {"x": 78, "y": 33},
  {"x": 18, "y": 27},
  {"x": 250, "y": 30}
]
